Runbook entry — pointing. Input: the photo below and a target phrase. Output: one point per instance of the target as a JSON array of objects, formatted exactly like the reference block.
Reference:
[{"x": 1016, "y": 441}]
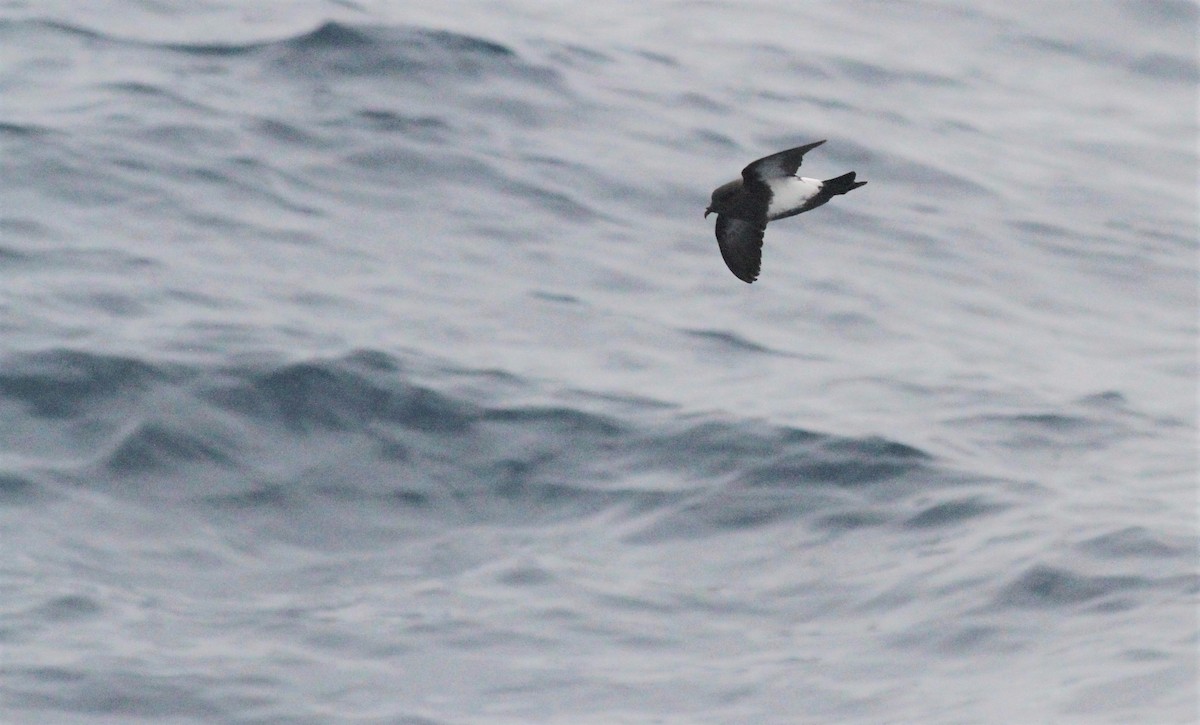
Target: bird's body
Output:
[{"x": 768, "y": 190}]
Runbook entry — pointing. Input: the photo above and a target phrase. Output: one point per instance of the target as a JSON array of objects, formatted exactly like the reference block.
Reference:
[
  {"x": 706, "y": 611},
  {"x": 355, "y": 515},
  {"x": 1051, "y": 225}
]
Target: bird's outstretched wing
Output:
[
  {"x": 777, "y": 166},
  {"x": 741, "y": 245}
]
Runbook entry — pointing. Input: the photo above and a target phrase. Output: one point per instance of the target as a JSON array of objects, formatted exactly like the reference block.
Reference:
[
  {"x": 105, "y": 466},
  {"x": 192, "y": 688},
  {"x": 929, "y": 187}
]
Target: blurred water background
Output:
[{"x": 369, "y": 361}]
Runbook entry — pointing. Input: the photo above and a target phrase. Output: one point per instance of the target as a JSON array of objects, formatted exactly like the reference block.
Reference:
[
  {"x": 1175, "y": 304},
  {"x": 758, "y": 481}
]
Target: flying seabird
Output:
[{"x": 768, "y": 190}]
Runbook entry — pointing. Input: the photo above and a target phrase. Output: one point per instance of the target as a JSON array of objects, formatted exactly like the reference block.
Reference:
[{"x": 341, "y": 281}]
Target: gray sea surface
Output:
[{"x": 368, "y": 361}]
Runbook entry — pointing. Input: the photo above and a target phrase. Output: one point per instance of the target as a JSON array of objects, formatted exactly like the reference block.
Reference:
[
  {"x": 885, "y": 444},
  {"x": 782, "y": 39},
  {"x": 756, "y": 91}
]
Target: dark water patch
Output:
[
  {"x": 631, "y": 403},
  {"x": 536, "y": 463},
  {"x": 1167, "y": 68},
  {"x": 138, "y": 89},
  {"x": 1141, "y": 654},
  {"x": 658, "y": 58},
  {"x": 741, "y": 512},
  {"x": 1134, "y": 542},
  {"x": 254, "y": 179},
  {"x": 1049, "y": 421},
  {"x": 838, "y": 462},
  {"x": 65, "y": 383},
  {"x": 259, "y": 496},
  {"x": 1170, "y": 13},
  {"x": 69, "y": 608},
  {"x": 1040, "y": 229},
  {"x": 73, "y": 177},
  {"x": 556, "y": 297},
  {"x": 526, "y": 576},
  {"x": 514, "y": 493},
  {"x": 730, "y": 341},
  {"x": 1107, "y": 399},
  {"x": 54, "y": 26},
  {"x": 335, "y": 395},
  {"x": 949, "y": 513},
  {"x": 920, "y": 175},
  {"x": 11, "y": 256},
  {"x": 161, "y": 447},
  {"x": 374, "y": 361},
  {"x": 1172, "y": 237},
  {"x": 103, "y": 260},
  {"x": 558, "y": 203},
  {"x": 970, "y": 640},
  {"x": 216, "y": 50},
  {"x": 148, "y": 95},
  {"x": 413, "y": 168},
  {"x": 331, "y": 35},
  {"x": 24, "y": 228},
  {"x": 1069, "y": 50},
  {"x": 288, "y": 133},
  {"x": 558, "y": 420},
  {"x": 805, "y": 469},
  {"x": 716, "y": 448},
  {"x": 577, "y": 56},
  {"x": 880, "y": 448},
  {"x": 1049, "y": 587},
  {"x": 958, "y": 124},
  {"x": 16, "y": 489},
  {"x": 1130, "y": 698},
  {"x": 471, "y": 44},
  {"x": 387, "y": 494},
  {"x": 828, "y": 103},
  {"x": 334, "y": 438},
  {"x": 766, "y": 476},
  {"x": 873, "y": 74},
  {"x": 419, "y": 126},
  {"x": 850, "y": 520},
  {"x": 116, "y": 304},
  {"x": 728, "y": 511},
  {"x": 335, "y": 50},
  {"x": 1052, "y": 430},
  {"x": 116, "y": 695},
  {"x": 23, "y": 130},
  {"x": 583, "y": 180},
  {"x": 958, "y": 639},
  {"x": 51, "y": 674},
  {"x": 713, "y": 139},
  {"x": 417, "y": 720}
]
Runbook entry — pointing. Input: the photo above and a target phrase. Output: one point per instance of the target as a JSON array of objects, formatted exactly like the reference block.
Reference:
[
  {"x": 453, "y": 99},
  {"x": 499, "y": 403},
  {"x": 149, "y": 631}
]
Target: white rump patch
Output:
[{"x": 791, "y": 192}]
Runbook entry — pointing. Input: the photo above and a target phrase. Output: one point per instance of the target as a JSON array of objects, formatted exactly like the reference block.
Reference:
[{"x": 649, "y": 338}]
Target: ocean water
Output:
[{"x": 371, "y": 362}]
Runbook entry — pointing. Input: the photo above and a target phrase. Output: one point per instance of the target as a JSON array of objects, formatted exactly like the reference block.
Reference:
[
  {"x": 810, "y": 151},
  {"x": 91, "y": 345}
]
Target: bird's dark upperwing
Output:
[
  {"x": 741, "y": 245},
  {"x": 777, "y": 166}
]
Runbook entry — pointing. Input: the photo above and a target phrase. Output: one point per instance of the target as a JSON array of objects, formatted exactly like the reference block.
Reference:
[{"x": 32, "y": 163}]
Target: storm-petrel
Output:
[{"x": 768, "y": 190}]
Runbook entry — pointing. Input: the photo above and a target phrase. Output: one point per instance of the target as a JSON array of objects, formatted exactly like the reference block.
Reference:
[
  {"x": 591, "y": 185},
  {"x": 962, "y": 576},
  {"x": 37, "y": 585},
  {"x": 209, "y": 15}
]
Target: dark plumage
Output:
[{"x": 768, "y": 190}]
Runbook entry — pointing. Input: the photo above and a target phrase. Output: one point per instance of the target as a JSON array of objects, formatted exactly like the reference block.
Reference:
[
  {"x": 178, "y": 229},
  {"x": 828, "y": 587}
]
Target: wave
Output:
[
  {"x": 1047, "y": 586},
  {"x": 69, "y": 384},
  {"x": 364, "y": 430},
  {"x": 334, "y": 49},
  {"x": 319, "y": 451}
]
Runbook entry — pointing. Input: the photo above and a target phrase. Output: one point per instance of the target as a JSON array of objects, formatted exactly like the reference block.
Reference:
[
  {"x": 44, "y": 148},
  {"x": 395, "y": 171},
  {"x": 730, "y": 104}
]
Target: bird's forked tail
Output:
[{"x": 841, "y": 185}]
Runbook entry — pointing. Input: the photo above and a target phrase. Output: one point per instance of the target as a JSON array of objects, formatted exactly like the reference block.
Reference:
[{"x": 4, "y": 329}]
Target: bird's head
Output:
[{"x": 723, "y": 198}]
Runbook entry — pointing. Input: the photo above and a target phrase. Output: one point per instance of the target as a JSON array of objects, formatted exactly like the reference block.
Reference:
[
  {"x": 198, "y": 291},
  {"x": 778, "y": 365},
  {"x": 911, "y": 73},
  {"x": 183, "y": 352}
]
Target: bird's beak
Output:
[{"x": 707, "y": 212}]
